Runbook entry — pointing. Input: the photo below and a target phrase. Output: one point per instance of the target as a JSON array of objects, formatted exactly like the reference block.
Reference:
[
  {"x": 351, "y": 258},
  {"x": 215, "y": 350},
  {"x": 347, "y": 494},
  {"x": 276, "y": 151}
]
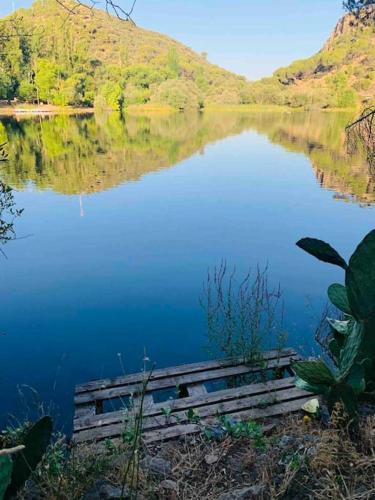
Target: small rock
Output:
[
  {"x": 216, "y": 432},
  {"x": 251, "y": 492},
  {"x": 325, "y": 416},
  {"x": 211, "y": 458},
  {"x": 168, "y": 484},
  {"x": 286, "y": 441},
  {"x": 310, "y": 452},
  {"x": 32, "y": 492},
  {"x": 156, "y": 466},
  {"x": 310, "y": 438},
  {"x": 106, "y": 491}
]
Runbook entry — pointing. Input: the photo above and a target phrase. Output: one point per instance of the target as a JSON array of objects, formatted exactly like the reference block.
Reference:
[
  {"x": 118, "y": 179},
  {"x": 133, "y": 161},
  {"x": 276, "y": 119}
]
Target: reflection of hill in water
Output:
[
  {"x": 321, "y": 137},
  {"x": 86, "y": 154}
]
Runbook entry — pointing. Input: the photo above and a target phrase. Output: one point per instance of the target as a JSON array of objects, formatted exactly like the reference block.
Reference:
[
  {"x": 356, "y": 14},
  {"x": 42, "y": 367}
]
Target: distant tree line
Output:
[{"x": 79, "y": 59}]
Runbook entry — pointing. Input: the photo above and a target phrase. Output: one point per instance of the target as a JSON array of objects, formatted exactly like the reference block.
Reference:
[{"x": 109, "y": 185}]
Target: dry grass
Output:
[
  {"x": 298, "y": 460},
  {"x": 318, "y": 463}
]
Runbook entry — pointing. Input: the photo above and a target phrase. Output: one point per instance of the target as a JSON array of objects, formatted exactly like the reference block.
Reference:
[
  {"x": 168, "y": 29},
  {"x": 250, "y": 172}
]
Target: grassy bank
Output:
[
  {"x": 46, "y": 109},
  {"x": 289, "y": 458}
]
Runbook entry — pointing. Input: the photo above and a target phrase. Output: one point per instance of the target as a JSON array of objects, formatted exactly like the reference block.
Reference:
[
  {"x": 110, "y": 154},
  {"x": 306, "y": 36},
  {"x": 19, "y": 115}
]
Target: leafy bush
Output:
[
  {"x": 112, "y": 94},
  {"x": 180, "y": 94},
  {"x": 352, "y": 343}
]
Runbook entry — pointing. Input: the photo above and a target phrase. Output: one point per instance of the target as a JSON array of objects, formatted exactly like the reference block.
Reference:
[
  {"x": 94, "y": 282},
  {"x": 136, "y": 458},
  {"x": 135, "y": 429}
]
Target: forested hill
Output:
[
  {"x": 90, "y": 57},
  {"x": 341, "y": 74}
]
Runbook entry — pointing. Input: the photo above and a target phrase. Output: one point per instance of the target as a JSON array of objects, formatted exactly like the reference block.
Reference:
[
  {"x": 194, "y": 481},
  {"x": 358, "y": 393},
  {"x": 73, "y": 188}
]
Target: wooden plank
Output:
[
  {"x": 171, "y": 432},
  {"x": 88, "y": 410},
  {"x": 196, "y": 389},
  {"x": 165, "y": 383},
  {"x": 227, "y": 407},
  {"x": 190, "y": 402},
  {"x": 183, "y": 430},
  {"x": 255, "y": 413},
  {"x": 137, "y": 378},
  {"x": 223, "y": 408}
]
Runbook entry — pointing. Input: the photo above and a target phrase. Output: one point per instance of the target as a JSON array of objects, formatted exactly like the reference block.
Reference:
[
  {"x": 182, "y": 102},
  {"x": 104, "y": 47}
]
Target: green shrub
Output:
[
  {"x": 111, "y": 93},
  {"x": 180, "y": 94}
]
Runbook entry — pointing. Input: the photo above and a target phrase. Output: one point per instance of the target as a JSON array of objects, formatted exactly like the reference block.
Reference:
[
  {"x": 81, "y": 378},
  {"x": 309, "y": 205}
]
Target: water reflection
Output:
[{"x": 90, "y": 153}]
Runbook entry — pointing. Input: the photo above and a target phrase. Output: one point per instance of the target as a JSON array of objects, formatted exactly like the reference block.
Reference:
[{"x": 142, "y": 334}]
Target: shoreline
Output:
[{"x": 27, "y": 110}]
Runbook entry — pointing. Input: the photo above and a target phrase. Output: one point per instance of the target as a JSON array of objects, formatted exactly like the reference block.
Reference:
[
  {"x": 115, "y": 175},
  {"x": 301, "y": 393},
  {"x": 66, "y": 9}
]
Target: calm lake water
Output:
[{"x": 124, "y": 217}]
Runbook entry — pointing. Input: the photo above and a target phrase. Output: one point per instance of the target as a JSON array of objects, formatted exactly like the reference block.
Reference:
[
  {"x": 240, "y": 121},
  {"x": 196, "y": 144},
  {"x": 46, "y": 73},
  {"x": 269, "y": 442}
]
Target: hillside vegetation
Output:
[
  {"x": 89, "y": 58},
  {"x": 341, "y": 74}
]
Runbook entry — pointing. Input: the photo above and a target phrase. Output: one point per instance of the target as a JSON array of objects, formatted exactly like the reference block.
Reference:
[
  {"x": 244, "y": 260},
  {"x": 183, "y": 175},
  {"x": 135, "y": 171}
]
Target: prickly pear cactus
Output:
[
  {"x": 36, "y": 442},
  {"x": 6, "y": 466},
  {"x": 352, "y": 343}
]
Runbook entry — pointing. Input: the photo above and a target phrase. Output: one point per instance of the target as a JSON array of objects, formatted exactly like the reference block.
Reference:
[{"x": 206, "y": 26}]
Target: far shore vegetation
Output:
[
  {"x": 26, "y": 109},
  {"x": 92, "y": 60}
]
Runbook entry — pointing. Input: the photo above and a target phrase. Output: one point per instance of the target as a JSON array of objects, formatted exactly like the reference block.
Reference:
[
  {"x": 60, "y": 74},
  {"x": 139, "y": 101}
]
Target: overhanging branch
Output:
[{"x": 111, "y": 6}]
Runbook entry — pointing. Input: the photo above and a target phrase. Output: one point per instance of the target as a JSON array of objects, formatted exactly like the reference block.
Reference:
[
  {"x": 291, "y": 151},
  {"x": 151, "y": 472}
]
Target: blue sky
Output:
[{"x": 250, "y": 37}]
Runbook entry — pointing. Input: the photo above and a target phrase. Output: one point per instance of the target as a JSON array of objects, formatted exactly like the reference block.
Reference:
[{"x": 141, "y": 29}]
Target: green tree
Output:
[
  {"x": 180, "y": 94},
  {"x": 112, "y": 94},
  {"x": 47, "y": 80},
  {"x": 27, "y": 90},
  {"x": 173, "y": 62}
]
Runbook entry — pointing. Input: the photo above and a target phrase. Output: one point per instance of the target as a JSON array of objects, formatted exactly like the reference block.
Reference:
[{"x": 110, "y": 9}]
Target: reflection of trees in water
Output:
[
  {"x": 321, "y": 137},
  {"x": 8, "y": 210},
  {"x": 86, "y": 154},
  {"x": 360, "y": 134}
]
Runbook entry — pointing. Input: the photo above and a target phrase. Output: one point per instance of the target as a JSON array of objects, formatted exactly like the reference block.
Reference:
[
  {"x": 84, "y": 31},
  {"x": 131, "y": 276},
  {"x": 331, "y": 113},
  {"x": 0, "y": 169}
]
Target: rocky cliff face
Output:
[
  {"x": 340, "y": 75},
  {"x": 350, "y": 24}
]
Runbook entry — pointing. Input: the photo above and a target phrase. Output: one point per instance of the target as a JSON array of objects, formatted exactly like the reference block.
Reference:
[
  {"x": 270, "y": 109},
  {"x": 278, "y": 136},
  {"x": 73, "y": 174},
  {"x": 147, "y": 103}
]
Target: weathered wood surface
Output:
[
  {"x": 136, "y": 378},
  {"x": 170, "y": 418},
  {"x": 86, "y": 422},
  {"x": 132, "y": 384},
  {"x": 254, "y": 413}
]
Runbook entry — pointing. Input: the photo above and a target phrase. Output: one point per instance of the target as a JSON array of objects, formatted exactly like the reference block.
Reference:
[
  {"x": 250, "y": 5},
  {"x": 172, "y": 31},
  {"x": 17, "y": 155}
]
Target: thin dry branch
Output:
[{"x": 111, "y": 7}]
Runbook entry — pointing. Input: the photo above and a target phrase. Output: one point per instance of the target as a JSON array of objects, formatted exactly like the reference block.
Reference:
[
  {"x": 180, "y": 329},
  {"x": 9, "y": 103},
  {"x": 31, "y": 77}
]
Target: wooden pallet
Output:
[{"x": 170, "y": 419}]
